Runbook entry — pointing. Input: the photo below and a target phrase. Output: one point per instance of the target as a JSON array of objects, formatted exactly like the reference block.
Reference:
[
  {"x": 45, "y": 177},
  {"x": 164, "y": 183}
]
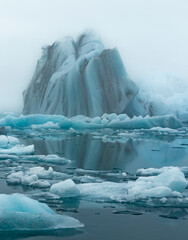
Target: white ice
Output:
[
  {"x": 8, "y": 141},
  {"x": 65, "y": 188},
  {"x": 171, "y": 182},
  {"x": 51, "y": 158},
  {"x": 11, "y": 146},
  {"x": 36, "y": 177}
]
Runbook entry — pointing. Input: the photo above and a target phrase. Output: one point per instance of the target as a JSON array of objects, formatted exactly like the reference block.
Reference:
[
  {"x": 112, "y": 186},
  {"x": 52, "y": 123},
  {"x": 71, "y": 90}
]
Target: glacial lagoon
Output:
[{"x": 96, "y": 160}]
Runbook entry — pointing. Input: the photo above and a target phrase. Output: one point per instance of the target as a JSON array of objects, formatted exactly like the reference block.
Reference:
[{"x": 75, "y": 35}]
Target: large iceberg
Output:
[
  {"x": 83, "y": 78},
  {"x": 21, "y": 213},
  {"x": 79, "y": 78}
]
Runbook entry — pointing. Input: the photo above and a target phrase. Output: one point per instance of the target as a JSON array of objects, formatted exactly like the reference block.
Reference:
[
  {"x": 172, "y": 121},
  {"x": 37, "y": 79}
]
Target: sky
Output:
[{"x": 151, "y": 36}]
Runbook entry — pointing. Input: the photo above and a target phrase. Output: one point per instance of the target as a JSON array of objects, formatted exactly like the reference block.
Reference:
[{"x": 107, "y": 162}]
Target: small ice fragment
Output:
[{"x": 65, "y": 188}]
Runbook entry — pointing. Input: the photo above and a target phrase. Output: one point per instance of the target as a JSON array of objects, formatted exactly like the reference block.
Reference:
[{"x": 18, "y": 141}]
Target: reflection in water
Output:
[
  {"x": 106, "y": 152},
  {"x": 128, "y": 154},
  {"x": 13, "y": 235}
]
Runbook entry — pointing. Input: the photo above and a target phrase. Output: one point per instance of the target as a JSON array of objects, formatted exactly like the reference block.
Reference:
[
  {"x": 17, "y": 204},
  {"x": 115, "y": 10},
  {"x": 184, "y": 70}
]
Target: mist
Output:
[{"x": 151, "y": 36}]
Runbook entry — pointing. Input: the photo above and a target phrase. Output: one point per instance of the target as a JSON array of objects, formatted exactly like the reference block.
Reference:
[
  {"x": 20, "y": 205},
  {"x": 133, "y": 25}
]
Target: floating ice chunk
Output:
[
  {"x": 8, "y": 141},
  {"x": 163, "y": 200},
  {"x": 11, "y": 146},
  {"x": 87, "y": 179},
  {"x": 151, "y": 171},
  {"x": 20, "y": 213},
  {"x": 41, "y": 172},
  {"x": 160, "y": 129},
  {"x": 156, "y": 171},
  {"x": 51, "y": 158},
  {"x": 32, "y": 177},
  {"x": 147, "y": 123},
  {"x": 81, "y": 122},
  {"x": 19, "y": 150},
  {"x": 30, "y": 180},
  {"x": 65, "y": 189},
  {"x": 48, "y": 125},
  {"x": 7, "y": 156},
  {"x": 40, "y": 184},
  {"x": 164, "y": 185},
  {"x": 46, "y": 174}
]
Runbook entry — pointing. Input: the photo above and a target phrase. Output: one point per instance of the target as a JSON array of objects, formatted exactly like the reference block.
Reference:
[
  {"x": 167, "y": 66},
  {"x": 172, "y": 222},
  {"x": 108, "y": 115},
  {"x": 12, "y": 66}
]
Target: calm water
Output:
[{"x": 104, "y": 152}]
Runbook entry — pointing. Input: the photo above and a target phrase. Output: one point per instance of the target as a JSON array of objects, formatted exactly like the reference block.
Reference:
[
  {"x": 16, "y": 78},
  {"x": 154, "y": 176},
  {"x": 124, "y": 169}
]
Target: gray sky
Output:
[{"x": 151, "y": 35}]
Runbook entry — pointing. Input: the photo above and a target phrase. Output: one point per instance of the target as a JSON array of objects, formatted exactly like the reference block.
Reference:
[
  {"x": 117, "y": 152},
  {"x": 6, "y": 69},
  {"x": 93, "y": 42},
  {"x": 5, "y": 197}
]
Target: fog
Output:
[{"x": 151, "y": 35}]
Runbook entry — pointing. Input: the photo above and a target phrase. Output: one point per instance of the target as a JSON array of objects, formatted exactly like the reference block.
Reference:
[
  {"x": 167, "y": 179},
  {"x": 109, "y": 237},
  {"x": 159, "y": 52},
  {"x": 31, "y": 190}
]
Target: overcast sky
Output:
[{"x": 151, "y": 35}]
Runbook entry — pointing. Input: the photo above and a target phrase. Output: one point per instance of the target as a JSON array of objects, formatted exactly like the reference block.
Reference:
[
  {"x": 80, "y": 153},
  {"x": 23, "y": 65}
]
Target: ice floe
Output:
[
  {"x": 36, "y": 177},
  {"x": 171, "y": 182},
  {"x": 113, "y": 121}
]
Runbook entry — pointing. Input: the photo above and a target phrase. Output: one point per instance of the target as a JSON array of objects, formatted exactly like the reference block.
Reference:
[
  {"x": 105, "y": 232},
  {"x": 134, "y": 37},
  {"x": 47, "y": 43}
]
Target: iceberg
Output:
[
  {"x": 21, "y": 213},
  {"x": 79, "y": 78},
  {"x": 82, "y": 77}
]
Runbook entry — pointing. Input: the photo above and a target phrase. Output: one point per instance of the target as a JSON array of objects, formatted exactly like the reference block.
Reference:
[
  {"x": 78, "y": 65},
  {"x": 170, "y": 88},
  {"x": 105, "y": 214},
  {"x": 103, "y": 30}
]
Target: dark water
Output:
[
  {"x": 106, "y": 152},
  {"x": 110, "y": 151}
]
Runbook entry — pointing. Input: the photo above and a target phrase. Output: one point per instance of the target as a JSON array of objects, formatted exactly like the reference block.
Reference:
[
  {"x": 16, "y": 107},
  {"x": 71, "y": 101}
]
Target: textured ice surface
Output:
[
  {"x": 27, "y": 179},
  {"x": 156, "y": 171},
  {"x": 35, "y": 177},
  {"x": 66, "y": 188},
  {"x": 79, "y": 78},
  {"x": 113, "y": 121},
  {"x": 20, "y": 213},
  {"x": 170, "y": 182}
]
